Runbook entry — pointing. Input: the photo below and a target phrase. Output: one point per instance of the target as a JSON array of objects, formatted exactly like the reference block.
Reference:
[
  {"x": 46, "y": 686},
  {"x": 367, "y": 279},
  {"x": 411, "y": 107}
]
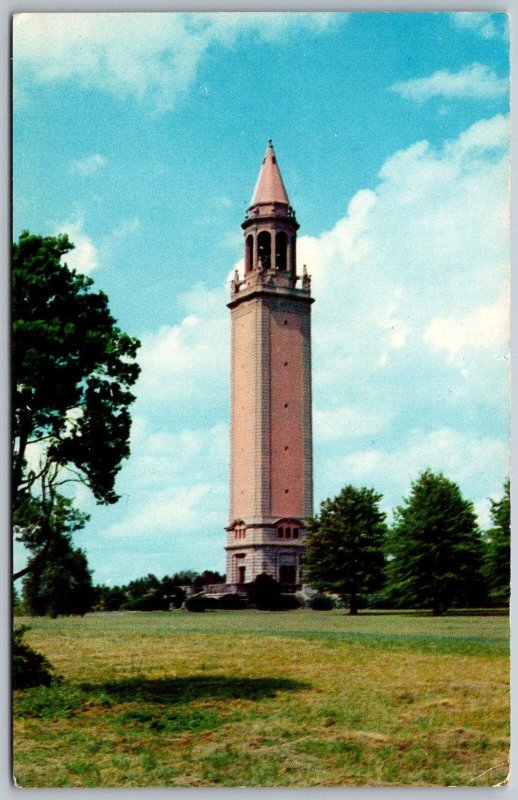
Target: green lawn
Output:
[{"x": 299, "y": 698}]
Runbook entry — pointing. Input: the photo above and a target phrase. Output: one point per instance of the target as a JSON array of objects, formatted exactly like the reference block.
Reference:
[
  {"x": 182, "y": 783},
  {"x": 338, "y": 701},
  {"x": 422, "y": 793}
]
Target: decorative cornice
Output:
[{"x": 299, "y": 295}]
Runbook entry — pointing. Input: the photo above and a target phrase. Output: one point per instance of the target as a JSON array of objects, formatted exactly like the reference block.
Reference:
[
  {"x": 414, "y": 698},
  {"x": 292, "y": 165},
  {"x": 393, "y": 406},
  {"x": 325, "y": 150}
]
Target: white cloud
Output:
[
  {"x": 88, "y": 165},
  {"x": 484, "y": 24},
  {"x": 430, "y": 241},
  {"x": 411, "y": 317},
  {"x": 84, "y": 257},
  {"x": 174, "y": 511},
  {"x": 409, "y": 349},
  {"x": 180, "y": 361},
  {"x": 346, "y": 422},
  {"x": 175, "y": 483},
  {"x": 484, "y": 327},
  {"x": 147, "y": 56},
  {"x": 474, "y": 82},
  {"x": 223, "y": 202},
  {"x": 470, "y": 460}
]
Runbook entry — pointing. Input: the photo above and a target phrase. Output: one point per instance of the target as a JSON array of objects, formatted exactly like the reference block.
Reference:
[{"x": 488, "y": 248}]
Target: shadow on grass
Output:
[
  {"x": 162, "y": 703},
  {"x": 174, "y": 691}
]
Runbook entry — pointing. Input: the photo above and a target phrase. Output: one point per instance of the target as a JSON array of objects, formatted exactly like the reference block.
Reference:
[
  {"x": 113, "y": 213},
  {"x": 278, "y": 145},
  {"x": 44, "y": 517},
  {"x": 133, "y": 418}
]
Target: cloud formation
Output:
[
  {"x": 473, "y": 82},
  {"x": 150, "y": 57},
  {"x": 88, "y": 166},
  {"x": 84, "y": 257},
  {"x": 465, "y": 458},
  {"x": 411, "y": 323},
  {"x": 410, "y": 344},
  {"x": 484, "y": 24}
]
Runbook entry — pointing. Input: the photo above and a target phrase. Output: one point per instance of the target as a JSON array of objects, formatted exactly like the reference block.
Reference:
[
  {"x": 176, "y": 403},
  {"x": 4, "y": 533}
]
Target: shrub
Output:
[
  {"x": 231, "y": 602},
  {"x": 287, "y": 602},
  {"x": 264, "y": 592},
  {"x": 114, "y": 600},
  {"x": 200, "y": 602},
  {"x": 29, "y": 667},
  {"x": 196, "y": 602},
  {"x": 151, "y": 601},
  {"x": 321, "y": 603}
]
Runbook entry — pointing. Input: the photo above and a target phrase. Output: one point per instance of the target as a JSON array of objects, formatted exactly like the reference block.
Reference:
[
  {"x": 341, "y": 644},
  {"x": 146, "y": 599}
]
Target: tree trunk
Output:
[
  {"x": 353, "y": 604},
  {"x": 19, "y": 459},
  {"x": 22, "y": 572},
  {"x": 437, "y": 608}
]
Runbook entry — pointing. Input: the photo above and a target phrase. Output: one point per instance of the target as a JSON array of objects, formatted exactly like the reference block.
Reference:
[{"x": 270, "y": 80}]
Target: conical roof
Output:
[{"x": 269, "y": 187}]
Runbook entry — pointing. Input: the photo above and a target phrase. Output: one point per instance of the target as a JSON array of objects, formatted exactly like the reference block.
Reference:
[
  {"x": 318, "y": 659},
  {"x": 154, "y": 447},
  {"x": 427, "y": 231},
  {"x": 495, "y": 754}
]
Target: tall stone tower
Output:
[{"x": 271, "y": 483}]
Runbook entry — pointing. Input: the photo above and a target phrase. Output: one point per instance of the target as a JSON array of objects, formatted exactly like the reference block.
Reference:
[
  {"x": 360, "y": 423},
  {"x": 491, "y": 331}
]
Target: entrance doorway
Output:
[{"x": 287, "y": 573}]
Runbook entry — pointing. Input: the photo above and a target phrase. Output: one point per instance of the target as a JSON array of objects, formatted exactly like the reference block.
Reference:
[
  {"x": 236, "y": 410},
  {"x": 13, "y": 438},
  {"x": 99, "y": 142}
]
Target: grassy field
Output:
[{"x": 299, "y": 698}]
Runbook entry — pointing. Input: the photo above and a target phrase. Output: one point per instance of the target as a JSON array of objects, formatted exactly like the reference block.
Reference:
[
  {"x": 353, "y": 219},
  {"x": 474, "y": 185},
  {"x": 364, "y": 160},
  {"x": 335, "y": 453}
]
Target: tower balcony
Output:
[
  {"x": 273, "y": 210},
  {"x": 270, "y": 279}
]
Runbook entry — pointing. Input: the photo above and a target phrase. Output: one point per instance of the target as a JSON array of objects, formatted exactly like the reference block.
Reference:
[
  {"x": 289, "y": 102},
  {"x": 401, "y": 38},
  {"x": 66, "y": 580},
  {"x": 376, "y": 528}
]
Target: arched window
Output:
[
  {"x": 281, "y": 248},
  {"x": 292, "y": 256},
  {"x": 249, "y": 253},
  {"x": 264, "y": 251}
]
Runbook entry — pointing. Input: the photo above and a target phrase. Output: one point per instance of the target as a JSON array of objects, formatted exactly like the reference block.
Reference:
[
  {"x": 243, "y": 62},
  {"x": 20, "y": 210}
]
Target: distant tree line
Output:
[
  {"x": 433, "y": 556},
  {"x": 58, "y": 590},
  {"x": 152, "y": 594}
]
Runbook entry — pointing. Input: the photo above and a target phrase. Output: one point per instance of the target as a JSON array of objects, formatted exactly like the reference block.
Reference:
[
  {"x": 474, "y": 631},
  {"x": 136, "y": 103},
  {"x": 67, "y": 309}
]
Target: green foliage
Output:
[
  {"x": 206, "y": 578},
  {"x": 72, "y": 372},
  {"x": 264, "y": 593},
  {"x": 321, "y": 602},
  {"x": 59, "y": 582},
  {"x": 47, "y": 520},
  {"x": 29, "y": 667},
  {"x": 151, "y": 594},
  {"x": 288, "y": 602},
  {"x": 199, "y": 602},
  {"x": 142, "y": 594},
  {"x": 345, "y": 545},
  {"x": 435, "y": 548},
  {"x": 184, "y": 578},
  {"x": 231, "y": 602},
  {"x": 497, "y": 561},
  {"x": 145, "y": 594},
  {"x": 16, "y": 603}
]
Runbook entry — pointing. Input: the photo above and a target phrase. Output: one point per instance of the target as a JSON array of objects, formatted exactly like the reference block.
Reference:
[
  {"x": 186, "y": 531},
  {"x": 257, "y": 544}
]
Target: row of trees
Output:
[
  {"x": 64, "y": 586},
  {"x": 151, "y": 594},
  {"x": 433, "y": 556}
]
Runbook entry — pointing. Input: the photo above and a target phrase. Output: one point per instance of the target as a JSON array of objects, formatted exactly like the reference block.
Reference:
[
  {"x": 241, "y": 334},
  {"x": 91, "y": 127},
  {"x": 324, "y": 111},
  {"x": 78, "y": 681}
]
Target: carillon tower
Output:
[{"x": 271, "y": 486}]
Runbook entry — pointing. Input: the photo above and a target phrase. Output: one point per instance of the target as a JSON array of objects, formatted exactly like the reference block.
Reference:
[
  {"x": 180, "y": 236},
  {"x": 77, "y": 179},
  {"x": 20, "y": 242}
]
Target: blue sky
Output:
[{"x": 141, "y": 135}]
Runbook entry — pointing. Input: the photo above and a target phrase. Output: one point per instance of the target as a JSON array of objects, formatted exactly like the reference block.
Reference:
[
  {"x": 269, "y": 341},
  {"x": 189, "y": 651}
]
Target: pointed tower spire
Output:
[{"x": 270, "y": 186}]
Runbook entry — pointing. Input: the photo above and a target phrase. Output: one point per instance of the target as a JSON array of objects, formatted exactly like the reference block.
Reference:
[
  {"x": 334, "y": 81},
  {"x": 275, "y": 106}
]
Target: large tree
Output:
[
  {"x": 73, "y": 369},
  {"x": 345, "y": 545},
  {"x": 435, "y": 547},
  {"x": 497, "y": 566},
  {"x": 60, "y": 583}
]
